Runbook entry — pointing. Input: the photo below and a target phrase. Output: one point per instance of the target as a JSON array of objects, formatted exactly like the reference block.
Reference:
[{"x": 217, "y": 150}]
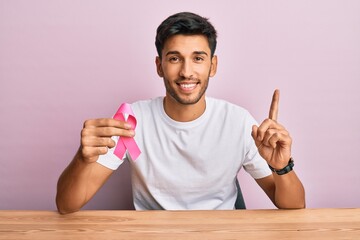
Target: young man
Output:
[{"x": 192, "y": 146}]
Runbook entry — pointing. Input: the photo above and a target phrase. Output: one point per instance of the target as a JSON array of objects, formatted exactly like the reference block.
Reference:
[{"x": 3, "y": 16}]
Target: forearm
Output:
[
  {"x": 289, "y": 191},
  {"x": 78, "y": 184},
  {"x": 71, "y": 187}
]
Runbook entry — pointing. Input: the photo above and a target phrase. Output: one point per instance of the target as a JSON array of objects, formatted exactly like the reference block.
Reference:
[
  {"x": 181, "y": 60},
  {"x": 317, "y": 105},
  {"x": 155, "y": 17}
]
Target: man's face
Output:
[{"x": 186, "y": 66}]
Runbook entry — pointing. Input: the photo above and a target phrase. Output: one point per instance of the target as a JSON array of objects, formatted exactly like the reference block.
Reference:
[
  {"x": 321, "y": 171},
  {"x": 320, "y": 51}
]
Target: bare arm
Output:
[
  {"x": 274, "y": 145},
  {"x": 78, "y": 184},
  {"x": 285, "y": 191},
  {"x": 84, "y": 176}
]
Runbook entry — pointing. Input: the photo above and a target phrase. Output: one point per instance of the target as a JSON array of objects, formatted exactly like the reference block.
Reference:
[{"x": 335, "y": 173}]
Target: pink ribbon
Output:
[{"x": 126, "y": 142}]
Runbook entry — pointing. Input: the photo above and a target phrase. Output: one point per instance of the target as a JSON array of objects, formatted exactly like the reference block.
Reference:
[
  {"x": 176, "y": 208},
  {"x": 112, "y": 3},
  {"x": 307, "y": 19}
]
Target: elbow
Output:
[
  {"x": 292, "y": 205},
  {"x": 291, "y": 200},
  {"x": 63, "y": 208},
  {"x": 302, "y": 206},
  {"x": 64, "y": 211}
]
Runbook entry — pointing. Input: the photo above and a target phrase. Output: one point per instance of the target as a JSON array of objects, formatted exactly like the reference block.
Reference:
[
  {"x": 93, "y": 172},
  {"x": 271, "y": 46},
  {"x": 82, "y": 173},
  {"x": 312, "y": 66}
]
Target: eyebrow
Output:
[
  {"x": 195, "y": 52},
  {"x": 200, "y": 53}
]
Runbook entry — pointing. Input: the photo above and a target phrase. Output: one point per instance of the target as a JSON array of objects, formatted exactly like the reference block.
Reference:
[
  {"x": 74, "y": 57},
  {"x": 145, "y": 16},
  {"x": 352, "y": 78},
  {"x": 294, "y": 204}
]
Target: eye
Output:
[
  {"x": 174, "y": 59},
  {"x": 198, "y": 59}
]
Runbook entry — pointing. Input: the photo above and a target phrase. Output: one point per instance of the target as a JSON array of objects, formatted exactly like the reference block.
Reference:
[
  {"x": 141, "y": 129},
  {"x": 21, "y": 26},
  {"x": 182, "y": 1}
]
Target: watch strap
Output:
[{"x": 288, "y": 168}]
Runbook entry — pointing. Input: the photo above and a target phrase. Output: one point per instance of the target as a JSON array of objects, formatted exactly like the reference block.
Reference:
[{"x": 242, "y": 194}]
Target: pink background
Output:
[{"x": 62, "y": 62}]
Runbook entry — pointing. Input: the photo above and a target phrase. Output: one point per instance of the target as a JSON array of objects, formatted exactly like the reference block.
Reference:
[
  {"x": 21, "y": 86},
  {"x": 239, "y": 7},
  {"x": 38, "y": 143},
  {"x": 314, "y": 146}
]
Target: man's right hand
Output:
[
  {"x": 80, "y": 180},
  {"x": 96, "y": 137}
]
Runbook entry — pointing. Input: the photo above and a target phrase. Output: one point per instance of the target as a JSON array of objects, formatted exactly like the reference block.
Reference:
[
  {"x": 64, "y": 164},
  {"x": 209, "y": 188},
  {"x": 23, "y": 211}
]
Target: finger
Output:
[
  {"x": 274, "y": 108},
  {"x": 90, "y": 152},
  {"x": 106, "y": 132},
  {"x": 265, "y": 126},
  {"x": 98, "y": 142},
  {"x": 269, "y": 133},
  {"x": 106, "y": 122},
  {"x": 259, "y": 144},
  {"x": 279, "y": 138}
]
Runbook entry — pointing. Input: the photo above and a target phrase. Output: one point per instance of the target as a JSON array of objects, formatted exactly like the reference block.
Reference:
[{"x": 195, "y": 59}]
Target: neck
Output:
[{"x": 182, "y": 112}]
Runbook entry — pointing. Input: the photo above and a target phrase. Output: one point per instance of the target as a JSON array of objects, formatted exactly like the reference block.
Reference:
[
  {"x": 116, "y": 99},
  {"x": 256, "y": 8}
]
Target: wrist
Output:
[{"x": 288, "y": 168}]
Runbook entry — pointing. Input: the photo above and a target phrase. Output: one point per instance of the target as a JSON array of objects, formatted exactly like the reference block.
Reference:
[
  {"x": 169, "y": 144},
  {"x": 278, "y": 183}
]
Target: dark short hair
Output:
[{"x": 186, "y": 23}]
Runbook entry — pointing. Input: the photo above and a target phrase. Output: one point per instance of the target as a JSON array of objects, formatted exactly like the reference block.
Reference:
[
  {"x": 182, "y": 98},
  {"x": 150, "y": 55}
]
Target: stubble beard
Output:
[{"x": 185, "y": 100}]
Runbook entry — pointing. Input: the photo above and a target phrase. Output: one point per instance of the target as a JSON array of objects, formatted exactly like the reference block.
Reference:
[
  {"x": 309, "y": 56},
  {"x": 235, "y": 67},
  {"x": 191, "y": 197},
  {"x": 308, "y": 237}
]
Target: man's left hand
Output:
[{"x": 272, "y": 139}]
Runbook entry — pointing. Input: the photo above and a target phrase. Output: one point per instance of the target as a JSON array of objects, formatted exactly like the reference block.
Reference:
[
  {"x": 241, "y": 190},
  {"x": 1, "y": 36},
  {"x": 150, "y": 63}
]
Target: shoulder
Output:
[
  {"x": 146, "y": 105},
  {"x": 230, "y": 111},
  {"x": 144, "y": 110},
  {"x": 224, "y": 106}
]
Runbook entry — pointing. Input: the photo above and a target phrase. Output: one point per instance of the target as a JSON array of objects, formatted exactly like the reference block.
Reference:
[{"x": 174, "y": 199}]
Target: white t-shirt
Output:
[{"x": 190, "y": 165}]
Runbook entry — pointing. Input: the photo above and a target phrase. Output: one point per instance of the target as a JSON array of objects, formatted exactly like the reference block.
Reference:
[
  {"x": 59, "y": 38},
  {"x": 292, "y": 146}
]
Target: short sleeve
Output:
[
  {"x": 253, "y": 163},
  {"x": 110, "y": 160}
]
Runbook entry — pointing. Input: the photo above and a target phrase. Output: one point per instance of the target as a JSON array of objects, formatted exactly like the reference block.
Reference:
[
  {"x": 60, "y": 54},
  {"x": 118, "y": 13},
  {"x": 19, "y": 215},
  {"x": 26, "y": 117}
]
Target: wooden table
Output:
[{"x": 307, "y": 224}]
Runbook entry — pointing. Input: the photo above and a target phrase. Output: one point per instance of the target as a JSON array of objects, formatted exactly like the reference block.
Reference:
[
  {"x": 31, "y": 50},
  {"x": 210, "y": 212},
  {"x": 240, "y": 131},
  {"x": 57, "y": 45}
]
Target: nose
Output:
[{"x": 186, "y": 69}]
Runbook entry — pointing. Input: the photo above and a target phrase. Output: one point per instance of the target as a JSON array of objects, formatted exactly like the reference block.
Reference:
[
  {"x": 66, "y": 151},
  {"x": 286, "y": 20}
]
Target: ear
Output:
[
  {"x": 213, "y": 67},
  {"x": 158, "y": 67}
]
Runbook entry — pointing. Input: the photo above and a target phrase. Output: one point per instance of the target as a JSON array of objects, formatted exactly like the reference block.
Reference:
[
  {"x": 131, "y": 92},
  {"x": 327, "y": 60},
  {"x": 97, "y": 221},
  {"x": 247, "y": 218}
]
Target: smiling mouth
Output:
[{"x": 187, "y": 86}]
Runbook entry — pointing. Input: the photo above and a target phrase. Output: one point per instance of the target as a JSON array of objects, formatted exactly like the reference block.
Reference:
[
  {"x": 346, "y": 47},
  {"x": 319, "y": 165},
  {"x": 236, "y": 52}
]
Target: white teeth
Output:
[{"x": 192, "y": 85}]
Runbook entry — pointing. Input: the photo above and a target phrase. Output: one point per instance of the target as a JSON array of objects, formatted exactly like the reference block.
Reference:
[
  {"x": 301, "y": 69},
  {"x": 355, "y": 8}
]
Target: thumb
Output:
[{"x": 254, "y": 132}]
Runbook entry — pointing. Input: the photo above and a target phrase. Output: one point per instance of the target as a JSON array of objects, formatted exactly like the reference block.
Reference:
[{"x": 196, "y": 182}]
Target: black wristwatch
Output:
[{"x": 286, "y": 169}]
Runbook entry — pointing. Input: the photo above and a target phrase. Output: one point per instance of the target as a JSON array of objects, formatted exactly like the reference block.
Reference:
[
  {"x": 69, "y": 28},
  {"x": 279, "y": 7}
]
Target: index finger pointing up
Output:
[{"x": 274, "y": 108}]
